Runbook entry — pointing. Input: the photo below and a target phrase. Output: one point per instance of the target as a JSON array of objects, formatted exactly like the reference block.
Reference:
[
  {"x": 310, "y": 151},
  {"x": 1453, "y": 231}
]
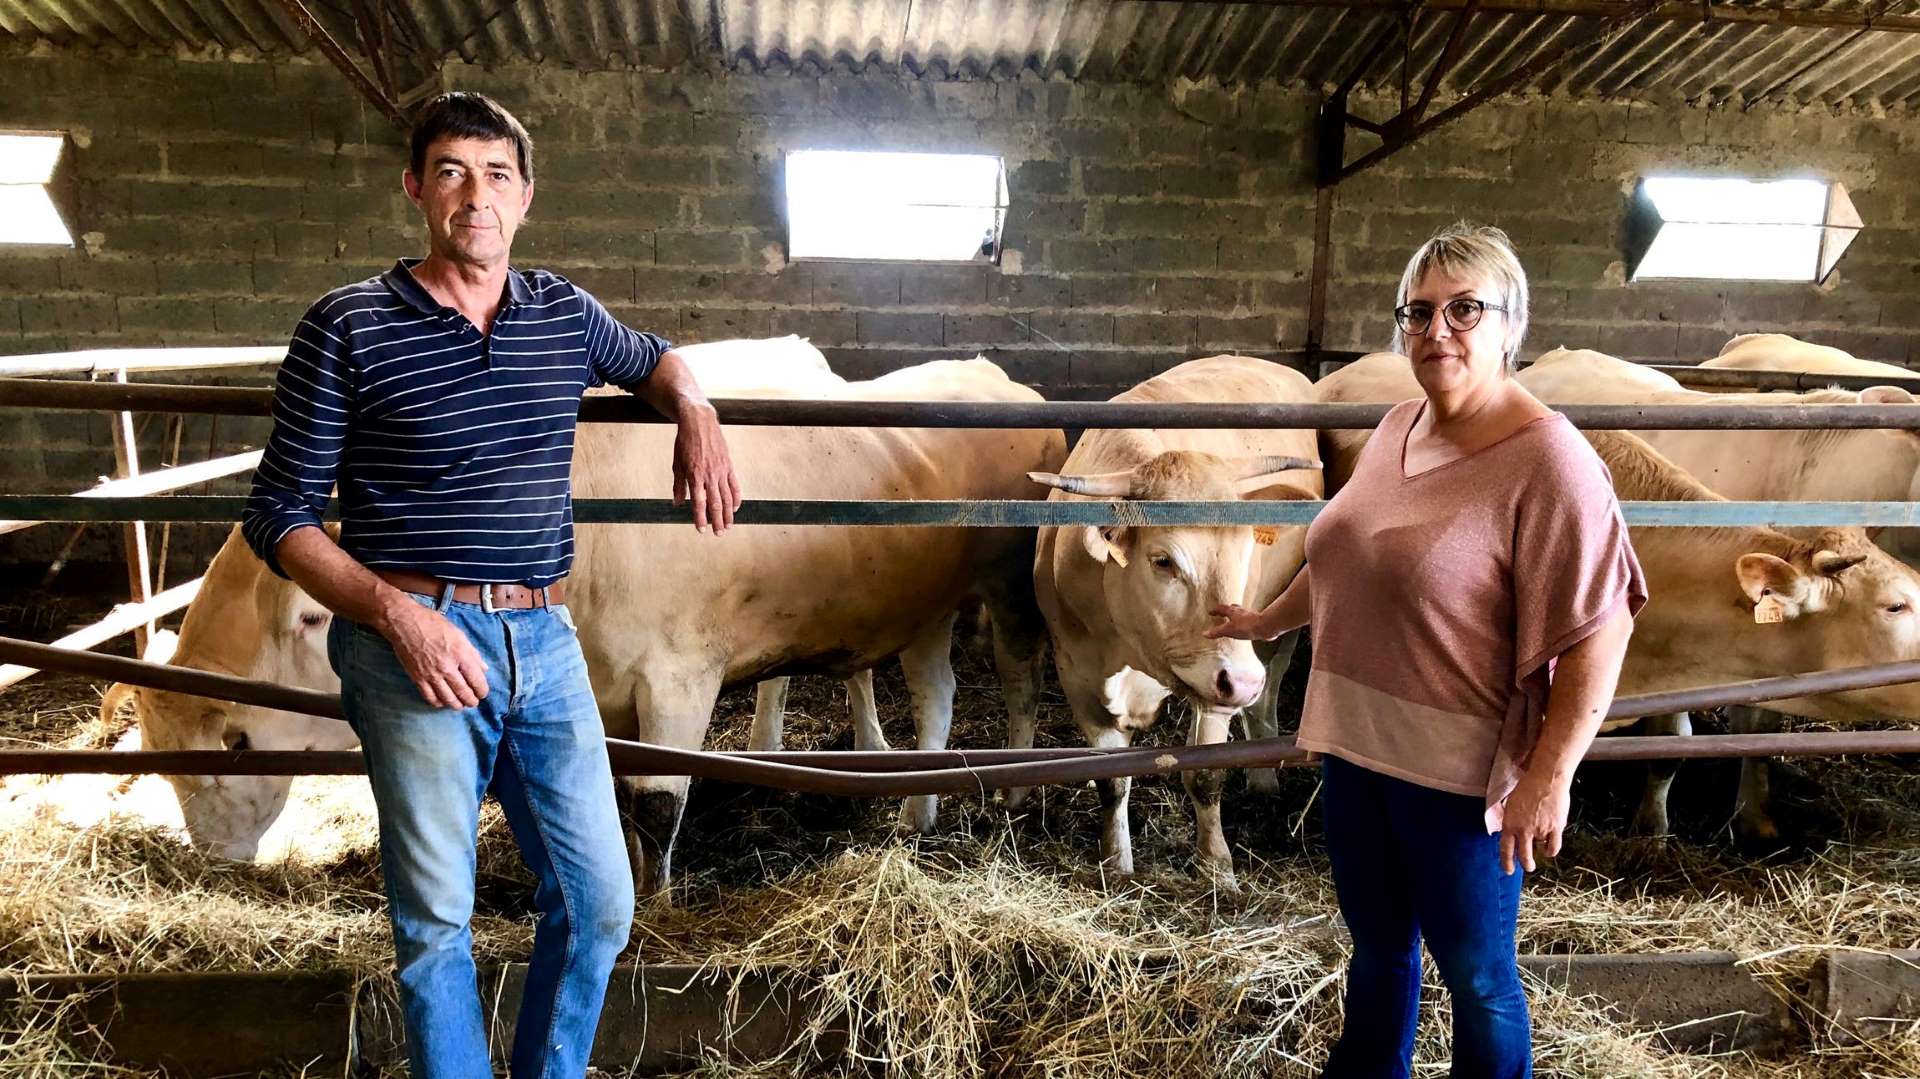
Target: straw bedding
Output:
[{"x": 994, "y": 948}]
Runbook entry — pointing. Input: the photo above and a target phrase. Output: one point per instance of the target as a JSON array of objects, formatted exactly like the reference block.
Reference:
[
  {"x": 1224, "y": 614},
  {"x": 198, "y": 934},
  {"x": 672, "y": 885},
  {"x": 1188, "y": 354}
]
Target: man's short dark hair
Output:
[{"x": 462, "y": 114}]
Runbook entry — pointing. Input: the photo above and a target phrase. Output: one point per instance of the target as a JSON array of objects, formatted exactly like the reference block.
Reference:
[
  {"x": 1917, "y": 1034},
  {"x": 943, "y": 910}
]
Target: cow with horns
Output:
[
  {"x": 766, "y": 601},
  {"x": 1127, "y": 604}
]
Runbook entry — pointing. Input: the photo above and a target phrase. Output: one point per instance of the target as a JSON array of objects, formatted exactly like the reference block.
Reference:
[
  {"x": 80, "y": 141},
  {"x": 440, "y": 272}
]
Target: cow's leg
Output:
[
  {"x": 1651, "y": 818},
  {"x": 1263, "y": 719},
  {"x": 1210, "y": 726},
  {"x": 866, "y": 716},
  {"x": 671, "y": 708},
  {"x": 1116, "y": 834},
  {"x": 1019, "y": 653},
  {"x": 928, "y": 663},
  {"x": 1751, "y": 813},
  {"x": 769, "y": 715},
  {"x": 1108, "y": 711}
]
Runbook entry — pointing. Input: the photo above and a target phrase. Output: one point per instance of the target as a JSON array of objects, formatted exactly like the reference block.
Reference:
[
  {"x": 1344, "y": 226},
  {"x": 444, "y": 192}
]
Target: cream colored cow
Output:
[
  {"x": 1127, "y": 606},
  {"x": 757, "y": 602}
]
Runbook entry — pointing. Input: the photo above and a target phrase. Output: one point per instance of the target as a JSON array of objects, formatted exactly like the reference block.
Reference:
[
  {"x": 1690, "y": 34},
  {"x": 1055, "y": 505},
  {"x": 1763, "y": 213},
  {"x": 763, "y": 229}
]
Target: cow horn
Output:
[
  {"x": 1100, "y": 485},
  {"x": 1270, "y": 463},
  {"x": 1829, "y": 563}
]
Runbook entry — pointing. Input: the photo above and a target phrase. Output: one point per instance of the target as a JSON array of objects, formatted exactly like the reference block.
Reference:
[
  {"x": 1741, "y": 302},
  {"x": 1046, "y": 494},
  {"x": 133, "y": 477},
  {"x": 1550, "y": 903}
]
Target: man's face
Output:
[{"x": 473, "y": 196}]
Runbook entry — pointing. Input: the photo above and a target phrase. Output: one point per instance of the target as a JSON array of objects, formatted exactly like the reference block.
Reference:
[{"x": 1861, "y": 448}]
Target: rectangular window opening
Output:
[
  {"x": 847, "y": 204},
  {"x": 27, "y": 211},
  {"x": 1732, "y": 229}
]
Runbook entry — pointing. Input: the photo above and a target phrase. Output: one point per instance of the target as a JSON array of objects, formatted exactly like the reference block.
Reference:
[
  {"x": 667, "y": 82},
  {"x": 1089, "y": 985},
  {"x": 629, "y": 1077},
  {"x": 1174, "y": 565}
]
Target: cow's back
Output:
[
  {"x": 1378, "y": 378},
  {"x": 1214, "y": 379},
  {"x": 1837, "y": 465},
  {"x": 1780, "y": 352},
  {"x": 765, "y": 599}
]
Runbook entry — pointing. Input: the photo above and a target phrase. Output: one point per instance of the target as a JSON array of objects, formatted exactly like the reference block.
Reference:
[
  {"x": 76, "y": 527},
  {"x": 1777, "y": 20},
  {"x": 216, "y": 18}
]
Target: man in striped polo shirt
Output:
[{"x": 441, "y": 397}]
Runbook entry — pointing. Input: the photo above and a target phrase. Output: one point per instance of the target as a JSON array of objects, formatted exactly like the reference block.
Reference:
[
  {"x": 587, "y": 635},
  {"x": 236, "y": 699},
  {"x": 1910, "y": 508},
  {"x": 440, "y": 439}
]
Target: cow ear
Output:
[
  {"x": 1885, "y": 395},
  {"x": 1891, "y": 395},
  {"x": 1105, "y": 542},
  {"x": 1765, "y": 578}
]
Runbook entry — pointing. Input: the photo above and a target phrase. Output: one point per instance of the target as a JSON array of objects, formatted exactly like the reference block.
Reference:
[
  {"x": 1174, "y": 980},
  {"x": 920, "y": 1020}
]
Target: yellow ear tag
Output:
[
  {"x": 1769, "y": 611},
  {"x": 1114, "y": 553},
  {"x": 1265, "y": 535}
]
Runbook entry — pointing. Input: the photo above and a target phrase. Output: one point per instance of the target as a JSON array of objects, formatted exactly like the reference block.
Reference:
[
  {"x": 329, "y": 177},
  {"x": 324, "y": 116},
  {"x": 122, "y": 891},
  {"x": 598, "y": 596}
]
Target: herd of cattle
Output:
[{"x": 669, "y": 617}]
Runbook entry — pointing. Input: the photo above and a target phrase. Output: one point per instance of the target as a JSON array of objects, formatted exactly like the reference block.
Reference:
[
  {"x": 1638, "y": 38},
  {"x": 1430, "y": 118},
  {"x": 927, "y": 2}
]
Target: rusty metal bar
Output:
[
  {"x": 764, "y": 412},
  {"x": 1002, "y": 513},
  {"x": 1442, "y": 67},
  {"x": 324, "y": 41},
  {"x": 1533, "y": 68},
  {"x": 222, "y": 687},
  {"x": 1676, "y": 11},
  {"x": 944, "y": 772},
  {"x": 1322, "y": 264},
  {"x": 911, "y": 772}
]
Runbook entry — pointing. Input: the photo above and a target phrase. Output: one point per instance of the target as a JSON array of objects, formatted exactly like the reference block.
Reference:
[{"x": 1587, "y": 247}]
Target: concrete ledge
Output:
[
  {"x": 656, "y": 1018},
  {"x": 1867, "y": 995},
  {"x": 1700, "y": 1002},
  {"x": 193, "y": 1024},
  {"x": 660, "y": 1018}
]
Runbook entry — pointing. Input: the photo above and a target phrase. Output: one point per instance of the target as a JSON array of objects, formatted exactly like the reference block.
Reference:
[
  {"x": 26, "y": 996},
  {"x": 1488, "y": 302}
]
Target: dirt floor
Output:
[{"x": 98, "y": 879}]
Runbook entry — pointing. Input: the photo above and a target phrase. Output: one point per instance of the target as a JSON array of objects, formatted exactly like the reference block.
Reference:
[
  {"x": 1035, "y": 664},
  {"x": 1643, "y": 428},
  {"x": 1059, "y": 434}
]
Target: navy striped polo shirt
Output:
[{"x": 452, "y": 449}]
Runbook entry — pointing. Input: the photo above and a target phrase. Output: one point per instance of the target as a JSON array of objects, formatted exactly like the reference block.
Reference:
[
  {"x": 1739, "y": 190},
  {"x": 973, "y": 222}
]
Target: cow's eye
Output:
[
  {"x": 1898, "y": 608},
  {"x": 1162, "y": 562},
  {"x": 313, "y": 618},
  {"x": 242, "y": 742}
]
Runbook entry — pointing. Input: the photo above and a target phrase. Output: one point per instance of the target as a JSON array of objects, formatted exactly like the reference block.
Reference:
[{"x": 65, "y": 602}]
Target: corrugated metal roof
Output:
[{"x": 1106, "y": 40}]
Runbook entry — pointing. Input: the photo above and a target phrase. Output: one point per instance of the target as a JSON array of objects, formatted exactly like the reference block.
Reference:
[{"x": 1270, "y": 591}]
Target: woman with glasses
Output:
[{"x": 1471, "y": 591}]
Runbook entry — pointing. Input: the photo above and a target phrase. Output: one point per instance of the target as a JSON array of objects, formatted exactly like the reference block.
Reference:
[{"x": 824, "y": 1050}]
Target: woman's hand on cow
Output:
[
  {"x": 703, "y": 469},
  {"x": 1535, "y": 815},
  {"x": 1239, "y": 622},
  {"x": 444, "y": 665}
]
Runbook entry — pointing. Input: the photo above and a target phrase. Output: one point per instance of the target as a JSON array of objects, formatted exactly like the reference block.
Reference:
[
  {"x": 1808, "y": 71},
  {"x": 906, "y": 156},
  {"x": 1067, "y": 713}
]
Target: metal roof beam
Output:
[
  {"x": 1402, "y": 130},
  {"x": 1681, "y": 11},
  {"x": 326, "y": 44}
]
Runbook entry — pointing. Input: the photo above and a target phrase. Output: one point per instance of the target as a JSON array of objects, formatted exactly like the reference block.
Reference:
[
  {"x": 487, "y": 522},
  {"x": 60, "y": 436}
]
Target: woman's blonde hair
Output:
[{"x": 1470, "y": 251}]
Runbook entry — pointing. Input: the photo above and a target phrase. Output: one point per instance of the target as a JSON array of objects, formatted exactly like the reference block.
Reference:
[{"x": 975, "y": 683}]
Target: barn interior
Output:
[{"x": 1172, "y": 179}]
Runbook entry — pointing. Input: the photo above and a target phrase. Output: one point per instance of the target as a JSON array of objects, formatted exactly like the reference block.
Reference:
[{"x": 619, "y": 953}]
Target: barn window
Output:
[
  {"x": 1739, "y": 230},
  {"x": 27, "y": 212},
  {"x": 921, "y": 207}
]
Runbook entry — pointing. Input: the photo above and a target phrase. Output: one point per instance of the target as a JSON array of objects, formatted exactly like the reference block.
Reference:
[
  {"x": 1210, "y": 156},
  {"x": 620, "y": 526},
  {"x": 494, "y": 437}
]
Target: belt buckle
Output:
[{"x": 486, "y": 599}]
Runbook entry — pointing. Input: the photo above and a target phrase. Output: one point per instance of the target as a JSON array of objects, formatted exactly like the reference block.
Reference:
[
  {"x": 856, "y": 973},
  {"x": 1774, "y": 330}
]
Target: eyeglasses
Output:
[{"x": 1462, "y": 314}]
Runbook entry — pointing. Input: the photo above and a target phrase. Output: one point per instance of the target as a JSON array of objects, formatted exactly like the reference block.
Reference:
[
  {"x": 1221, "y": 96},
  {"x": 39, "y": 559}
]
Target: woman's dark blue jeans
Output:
[{"x": 1412, "y": 862}]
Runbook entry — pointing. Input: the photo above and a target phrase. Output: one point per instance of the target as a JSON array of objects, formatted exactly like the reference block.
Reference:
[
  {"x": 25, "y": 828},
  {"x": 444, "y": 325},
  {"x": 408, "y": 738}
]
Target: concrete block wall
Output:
[{"x": 216, "y": 199}]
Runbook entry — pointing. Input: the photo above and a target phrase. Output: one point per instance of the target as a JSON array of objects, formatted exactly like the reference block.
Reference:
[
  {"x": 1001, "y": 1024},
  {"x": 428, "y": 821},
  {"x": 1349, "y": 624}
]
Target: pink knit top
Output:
[{"x": 1441, "y": 600}]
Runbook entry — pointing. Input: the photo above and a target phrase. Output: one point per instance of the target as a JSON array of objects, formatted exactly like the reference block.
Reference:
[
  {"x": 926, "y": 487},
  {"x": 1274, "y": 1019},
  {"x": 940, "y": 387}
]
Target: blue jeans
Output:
[
  {"x": 1410, "y": 861},
  {"x": 536, "y": 743}
]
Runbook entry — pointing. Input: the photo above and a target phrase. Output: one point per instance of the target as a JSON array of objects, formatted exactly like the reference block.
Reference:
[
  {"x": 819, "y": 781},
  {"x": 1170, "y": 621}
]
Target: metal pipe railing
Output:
[
  {"x": 908, "y": 772},
  {"x": 1733, "y": 378},
  {"x": 159, "y": 481},
  {"x": 624, "y": 408},
  {"x": 1004, "y": 513}
]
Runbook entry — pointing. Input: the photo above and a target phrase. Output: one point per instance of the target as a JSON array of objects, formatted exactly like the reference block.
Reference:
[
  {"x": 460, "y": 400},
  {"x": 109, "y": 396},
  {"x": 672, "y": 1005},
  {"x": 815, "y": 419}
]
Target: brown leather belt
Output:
[{"x": 510, "y": 597}]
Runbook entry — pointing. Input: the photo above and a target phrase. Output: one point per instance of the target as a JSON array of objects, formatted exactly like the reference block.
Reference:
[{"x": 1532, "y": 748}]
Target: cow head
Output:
[
  {"x": 249, "y": 623},
  {"x": 1843, "y": 602},
  {"x": 1160, "y": 582}
]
